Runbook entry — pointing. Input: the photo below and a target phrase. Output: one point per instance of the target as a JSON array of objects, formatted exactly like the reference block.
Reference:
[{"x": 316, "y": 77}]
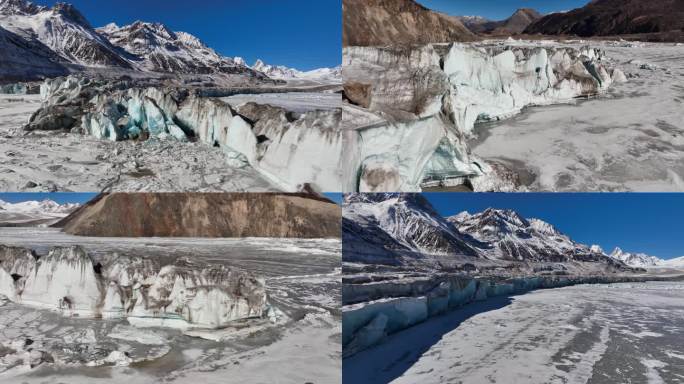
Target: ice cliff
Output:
[
  {"x": 278, "y": 143},
  {"x": 410, "y": 111},
  {"x": 182, "y": 295}
]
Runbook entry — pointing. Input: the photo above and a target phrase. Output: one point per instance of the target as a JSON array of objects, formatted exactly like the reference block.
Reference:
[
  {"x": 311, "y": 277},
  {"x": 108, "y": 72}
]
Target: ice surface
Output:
[
  {"x": 585, "y": 333},
  {"x": 630, "y": 139}
]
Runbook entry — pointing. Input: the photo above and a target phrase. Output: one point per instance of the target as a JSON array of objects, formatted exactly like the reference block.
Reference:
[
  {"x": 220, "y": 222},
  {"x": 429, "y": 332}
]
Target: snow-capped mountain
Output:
[
  {"x": 380, "y": 227},
  {"x": 385, "y": 223},
  {"x": 636, "y": 259},
  {"x": 34, "y": 213},
  {"x": 38, "y": 41},
  {"x": 281, "y": 72},
  {"x": 62, "y": 29},
  {"x": 505, "y": 235},
  {"x": 155, "y": 47},
  {"x": 46, "y": 207}
]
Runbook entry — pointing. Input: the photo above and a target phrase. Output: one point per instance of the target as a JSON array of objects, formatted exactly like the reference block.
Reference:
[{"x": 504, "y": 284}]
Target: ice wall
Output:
[
  {"x": 183, "y": 294},
  {"x": 373, "y": 311},
  {"x": 290, "y": 149},
  {"x": 427, "y": 100}
]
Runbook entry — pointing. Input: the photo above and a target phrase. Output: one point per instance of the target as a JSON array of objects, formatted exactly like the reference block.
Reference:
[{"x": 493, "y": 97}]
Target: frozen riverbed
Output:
[
  {"x": 293, "y": 101},
  {"x": 302, "y": 279},
  {"x": 630, "y": 139},
  {"x": 630, "y": 332},
  {"x": 58, "y": 161}
]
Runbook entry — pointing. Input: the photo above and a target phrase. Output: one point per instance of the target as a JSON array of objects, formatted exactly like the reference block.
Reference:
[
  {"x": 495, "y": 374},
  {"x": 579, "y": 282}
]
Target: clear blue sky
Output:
[
  {"x": 649, "y": 223},
  {"x": 499, "y": 9},
  {"x": 59, "y": 197},
  {"x": 303, "y": 34}
]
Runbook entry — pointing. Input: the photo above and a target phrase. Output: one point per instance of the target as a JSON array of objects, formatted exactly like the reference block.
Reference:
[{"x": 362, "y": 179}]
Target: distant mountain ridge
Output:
[
  {"x": 614, "y": 17},
  {"x": 515, "y": 24}
]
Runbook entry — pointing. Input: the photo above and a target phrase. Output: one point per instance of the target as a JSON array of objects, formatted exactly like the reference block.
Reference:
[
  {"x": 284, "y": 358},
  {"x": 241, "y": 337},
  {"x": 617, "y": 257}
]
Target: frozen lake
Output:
[
  {"x": 630, "y": 139},
  {"x": 302, "y": 281},
  {"x": 617, "y": 333}
]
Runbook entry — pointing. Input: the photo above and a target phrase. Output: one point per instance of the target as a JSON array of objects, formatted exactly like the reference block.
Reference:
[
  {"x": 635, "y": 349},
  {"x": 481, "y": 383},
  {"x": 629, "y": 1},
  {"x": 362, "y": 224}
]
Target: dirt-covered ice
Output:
[
  {"x": 58, "y": 161},
  {"x": 302, "y": 280},
  {"x": 629, "y": 139},
  {"x": 627, "y": 333}
]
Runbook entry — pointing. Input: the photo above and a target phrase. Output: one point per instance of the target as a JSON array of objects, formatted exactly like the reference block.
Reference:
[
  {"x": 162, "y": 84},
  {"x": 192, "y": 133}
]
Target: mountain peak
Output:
[
  {"x": 19, "y": 7},
  {"x": 70, "y": 12}
]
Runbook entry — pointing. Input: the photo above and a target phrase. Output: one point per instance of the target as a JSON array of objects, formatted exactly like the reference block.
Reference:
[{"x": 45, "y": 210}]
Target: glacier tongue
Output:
[
  {"x": 425, "y": 101},
  {"x": 183, "y": 294},
  {"x": 278, "y": 143}
]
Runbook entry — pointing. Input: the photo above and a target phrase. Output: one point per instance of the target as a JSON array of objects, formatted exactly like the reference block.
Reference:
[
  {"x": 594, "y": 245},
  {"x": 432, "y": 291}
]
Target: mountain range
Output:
[
  {"x": 405, "y": 228},
  {"x": 614, "y": 17},
  {"x": 28, "y": 213},
  {"x": 39, "y": 41},
  {"x": 515, "y": 24}
]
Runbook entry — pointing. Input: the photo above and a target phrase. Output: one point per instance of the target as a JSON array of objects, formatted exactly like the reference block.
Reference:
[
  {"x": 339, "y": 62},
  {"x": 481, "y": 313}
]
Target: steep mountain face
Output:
[
  {"x": 62, "y": 29},
  {"x": 206, "y": 215},
  {"x": 614, "y": 17},
  {"x": 635, "y": 259},
  {"x": 505, "y": 235},
  {"x": 39, "y": 42},
  {"x": 385, "y": 228},
  {"x": 379, "y": 224},
  {"x": 398, "y": 22},
  {"x": 515, "y": 24},
  {"x": 157, "y": 48}
]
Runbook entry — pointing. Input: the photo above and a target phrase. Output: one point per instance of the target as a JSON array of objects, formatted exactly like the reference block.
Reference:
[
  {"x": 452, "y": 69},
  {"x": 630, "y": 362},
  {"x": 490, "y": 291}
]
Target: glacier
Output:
[
  {"x": 368, "y": 323},
  {"x": 277, "y": 143},
  {"x": 184, "y": 295},
  {"x": 425, "y": 101}
]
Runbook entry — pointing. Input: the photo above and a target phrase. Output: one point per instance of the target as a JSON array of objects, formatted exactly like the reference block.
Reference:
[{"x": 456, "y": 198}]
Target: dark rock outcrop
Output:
[{"x": 614, "y": 17}]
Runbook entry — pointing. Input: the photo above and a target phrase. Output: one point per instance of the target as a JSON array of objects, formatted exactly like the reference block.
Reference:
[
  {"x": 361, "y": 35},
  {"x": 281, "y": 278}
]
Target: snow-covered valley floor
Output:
[
  {"x": 630, "y": 139},
  {"x": 302, "y": 281},
  {"x": 617, "y": 333},
  {"x": 58, "y": 161}
]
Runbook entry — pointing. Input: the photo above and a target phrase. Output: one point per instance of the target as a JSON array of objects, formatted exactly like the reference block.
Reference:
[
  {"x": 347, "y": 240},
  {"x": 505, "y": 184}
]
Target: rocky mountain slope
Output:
[
  {"x": 515, "y": 24},
  {"x": 403, "y": 228},
  {"x": 614, "y": 17},
  {"x": 398, "y": 22},
  {"x": 205, "y": 215}
]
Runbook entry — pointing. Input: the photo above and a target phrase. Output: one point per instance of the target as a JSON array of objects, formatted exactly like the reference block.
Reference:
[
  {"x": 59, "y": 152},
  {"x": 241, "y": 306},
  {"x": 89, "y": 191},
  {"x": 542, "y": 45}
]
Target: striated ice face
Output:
[
  {"x": 185, "y": 294},
  {"x": 427, "y": 100}
]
